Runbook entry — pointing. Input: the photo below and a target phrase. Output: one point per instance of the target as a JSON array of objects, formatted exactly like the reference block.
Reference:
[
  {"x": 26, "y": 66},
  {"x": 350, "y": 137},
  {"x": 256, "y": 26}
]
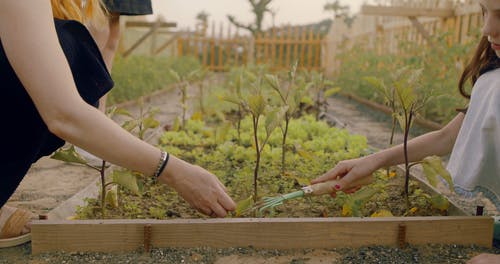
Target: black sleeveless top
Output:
[{"x": 24, "y": 137}]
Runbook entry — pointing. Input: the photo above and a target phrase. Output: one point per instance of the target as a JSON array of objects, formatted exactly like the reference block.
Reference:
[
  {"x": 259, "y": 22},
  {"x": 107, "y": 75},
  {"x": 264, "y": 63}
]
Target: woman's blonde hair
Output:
[{"x": 85, "y": 11}]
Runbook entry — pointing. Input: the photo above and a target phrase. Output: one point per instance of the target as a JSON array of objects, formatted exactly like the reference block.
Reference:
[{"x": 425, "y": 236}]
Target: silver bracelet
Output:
[{"x": 162, "y": 164}]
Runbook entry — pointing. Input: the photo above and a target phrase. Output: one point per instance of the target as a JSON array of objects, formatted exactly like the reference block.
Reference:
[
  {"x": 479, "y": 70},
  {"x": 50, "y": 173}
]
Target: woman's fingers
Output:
[
  {"x": 338, "y": 171},
  {"x": 226, "y": 202},
  {"x": 216, "y": 199},
  {"x": 200, "y": 188},
  {"x": 218, "y": 211}
]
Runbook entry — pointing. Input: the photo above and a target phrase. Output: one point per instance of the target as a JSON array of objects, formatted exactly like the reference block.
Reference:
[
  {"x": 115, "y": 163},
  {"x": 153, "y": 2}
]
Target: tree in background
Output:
[
  {"x": 202, "y": 22},
  {"x": 340, "y": 11},
  {"x": 259, "y": 8}
]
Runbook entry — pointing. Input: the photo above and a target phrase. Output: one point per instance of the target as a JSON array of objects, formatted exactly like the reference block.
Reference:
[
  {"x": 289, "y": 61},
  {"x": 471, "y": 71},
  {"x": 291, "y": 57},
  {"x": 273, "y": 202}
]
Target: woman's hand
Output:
[
  {"x": 198, "y": 187},
  {"x": 351, "y": 174}
]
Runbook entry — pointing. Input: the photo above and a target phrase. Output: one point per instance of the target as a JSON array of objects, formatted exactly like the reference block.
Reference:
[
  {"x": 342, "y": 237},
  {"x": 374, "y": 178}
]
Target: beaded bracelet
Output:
[{"x": 162, "y": 164}]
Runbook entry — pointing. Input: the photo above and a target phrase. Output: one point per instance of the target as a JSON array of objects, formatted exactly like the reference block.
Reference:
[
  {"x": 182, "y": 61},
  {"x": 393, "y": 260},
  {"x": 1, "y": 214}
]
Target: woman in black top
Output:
[{"x": 51, "y": 76}]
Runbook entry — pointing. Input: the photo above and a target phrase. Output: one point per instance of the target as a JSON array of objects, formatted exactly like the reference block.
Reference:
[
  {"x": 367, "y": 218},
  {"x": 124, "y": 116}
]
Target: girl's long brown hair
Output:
[
  {"x": 484, "y": 60},
  {"x": 86, "y": 12}
]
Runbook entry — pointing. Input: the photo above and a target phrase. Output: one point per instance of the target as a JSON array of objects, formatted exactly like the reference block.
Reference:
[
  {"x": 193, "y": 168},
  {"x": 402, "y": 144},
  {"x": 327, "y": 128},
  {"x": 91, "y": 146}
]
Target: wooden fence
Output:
[
  {"x": 278, "y": 48},
  {"x": 380, "y": 28},
  {"x": 383, "y": 28}
]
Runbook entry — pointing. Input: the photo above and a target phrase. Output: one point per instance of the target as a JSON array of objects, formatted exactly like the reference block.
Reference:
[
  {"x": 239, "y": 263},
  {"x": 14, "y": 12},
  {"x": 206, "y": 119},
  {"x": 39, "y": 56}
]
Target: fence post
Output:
[{"x": 251, "y": 50}]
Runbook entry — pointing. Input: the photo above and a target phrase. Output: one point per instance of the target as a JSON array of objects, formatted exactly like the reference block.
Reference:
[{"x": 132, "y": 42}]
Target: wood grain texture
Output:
[{"x": 271, "y": 233}]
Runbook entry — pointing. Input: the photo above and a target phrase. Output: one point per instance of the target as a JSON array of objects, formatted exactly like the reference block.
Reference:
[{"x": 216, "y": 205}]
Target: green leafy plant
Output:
[
  {"x": 183, "y": 82},
  {"x": 144, "y": 121},
  {"x": 235, "y": 84},
  {"x": 140, "y": 75},
  {"x": 409, "y": 101},
  {"x": 202, "y": 75},
  {"x": 388, "y": 93},
  {"x": 352, "y": 204},
  {"x": 441, "y": 62},
  {"x": 125, "y": 178},
  {"x": 321, "y": 89},
  {"x": 255, "y": 105},
  {"x": 290, "y": 95}
]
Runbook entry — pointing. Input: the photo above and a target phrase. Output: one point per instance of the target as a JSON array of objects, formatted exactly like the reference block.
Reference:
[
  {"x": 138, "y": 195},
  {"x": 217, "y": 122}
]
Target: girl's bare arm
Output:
[{"x": 438, "y": 142}]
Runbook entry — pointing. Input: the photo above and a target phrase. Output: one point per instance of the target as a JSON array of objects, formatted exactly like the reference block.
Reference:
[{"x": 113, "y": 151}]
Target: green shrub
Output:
[{"x": 136, "y": 76}]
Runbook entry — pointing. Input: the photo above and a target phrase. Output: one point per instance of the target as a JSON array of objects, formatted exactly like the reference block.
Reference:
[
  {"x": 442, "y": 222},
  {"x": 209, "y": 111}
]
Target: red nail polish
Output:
[{"x": 337, "y": 187}]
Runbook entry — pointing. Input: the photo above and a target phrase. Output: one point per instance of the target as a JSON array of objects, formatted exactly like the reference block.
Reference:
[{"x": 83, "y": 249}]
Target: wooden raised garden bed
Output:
[{"x": 270, "y": 233}]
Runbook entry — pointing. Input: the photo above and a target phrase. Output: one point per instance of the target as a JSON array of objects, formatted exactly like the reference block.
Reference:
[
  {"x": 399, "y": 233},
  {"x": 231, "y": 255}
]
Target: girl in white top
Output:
[{"x": 473, "y": 138}]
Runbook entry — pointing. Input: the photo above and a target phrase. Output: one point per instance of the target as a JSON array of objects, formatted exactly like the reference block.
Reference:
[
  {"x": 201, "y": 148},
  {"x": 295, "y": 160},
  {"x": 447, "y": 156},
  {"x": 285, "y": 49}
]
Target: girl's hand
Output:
[
  {"x": 351, "y": 174},
  {"x": 198, "y": 187}
]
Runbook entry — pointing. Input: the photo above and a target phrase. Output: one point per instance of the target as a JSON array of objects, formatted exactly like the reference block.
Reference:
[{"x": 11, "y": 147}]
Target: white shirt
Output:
[{"x": 475, "y": 159}]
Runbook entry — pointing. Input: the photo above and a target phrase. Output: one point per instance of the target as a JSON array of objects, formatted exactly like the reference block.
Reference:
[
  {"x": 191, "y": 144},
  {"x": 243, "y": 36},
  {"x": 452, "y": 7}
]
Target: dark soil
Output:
[{"x": 373, "y": 254}]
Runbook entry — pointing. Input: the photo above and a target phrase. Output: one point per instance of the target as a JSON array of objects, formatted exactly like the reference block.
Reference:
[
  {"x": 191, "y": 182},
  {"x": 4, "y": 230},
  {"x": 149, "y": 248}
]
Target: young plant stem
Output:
[
  {"x": 408, "y": 117},
  {"x": 184, "y": 101},
  {"x": 391, "y": 140},
  {"x": 283, "y": 145},
  {"x": 240, "y": 116},
  {"x": 318, "y": 104},
  {"x": 394, "y": 122},
  {"x": 255, "y": 121},
  {"x": 141, "y": 134},
  {"x": 202, "y": 107},
  {"x": 103, "y": 189}
]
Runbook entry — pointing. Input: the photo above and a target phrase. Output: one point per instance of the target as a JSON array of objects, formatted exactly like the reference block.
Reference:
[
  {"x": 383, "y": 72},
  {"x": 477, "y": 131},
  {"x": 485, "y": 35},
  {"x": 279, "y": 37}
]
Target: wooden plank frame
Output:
[
  {"x": 406, "y": 11},
  {"x": 161, "y": 24},
  {"x": 268, "y": 233}
]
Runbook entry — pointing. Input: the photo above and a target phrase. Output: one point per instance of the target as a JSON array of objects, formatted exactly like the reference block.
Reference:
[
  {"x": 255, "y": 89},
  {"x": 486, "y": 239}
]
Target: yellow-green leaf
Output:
[
  {"x": 346, "y": 210},
  {"x": 118, "y": 111},
  {"x": 126, "y": 179},
  {"x": 231, "y": 99},
  {"x": 331, "y": 91},
  {"x": 274, "y": 119},
  {"x": 307, "y": 100},
  {"x": 305, "y": 154},
  {"x": 440, "y": 202},
  {"x": 129, "y": 125},
  {"x": 175, "y": 75},
  {"x": 430, "y": 174},
  {"x": 112, "y": 196},
  {"x": 273, "y": 81},
  {"x": 401, "y": 121},
  {"x": 243, "y": 205},
  {"x": 150, "y": 122},
  {"x": 223, "y": 131},
  {"x": 378, "y": 84},
  {"x": 257, "y": 104},
  {"x": 177, "y": 124},
  {"x": 382, "y": 213},
  {"x": 68, "y": 155},
  {"x": 198, "y": 115},
  {"x": 437, "y": 165},
  {"x": 302, "y": 181}
]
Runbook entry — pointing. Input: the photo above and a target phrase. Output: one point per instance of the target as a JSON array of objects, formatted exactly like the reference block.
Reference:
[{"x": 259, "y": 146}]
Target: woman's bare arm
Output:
[{"x": 30, "y": 41}]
